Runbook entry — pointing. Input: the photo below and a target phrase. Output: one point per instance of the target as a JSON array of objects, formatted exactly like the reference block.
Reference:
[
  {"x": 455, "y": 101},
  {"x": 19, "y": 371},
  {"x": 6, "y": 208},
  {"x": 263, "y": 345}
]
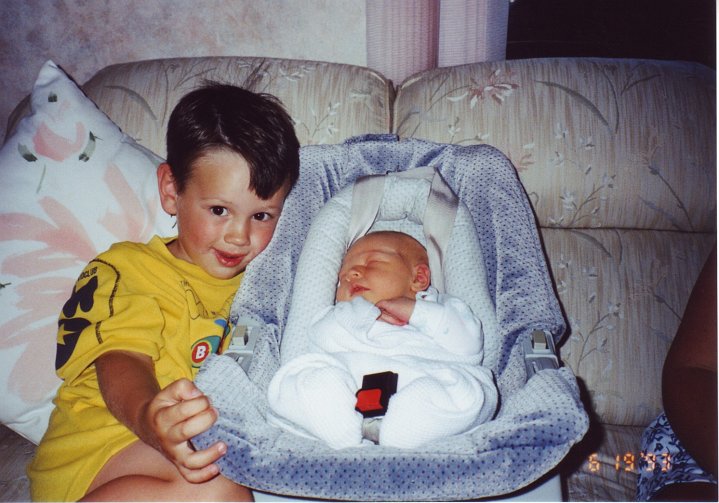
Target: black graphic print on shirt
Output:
[{"x": 72, "y": 323}]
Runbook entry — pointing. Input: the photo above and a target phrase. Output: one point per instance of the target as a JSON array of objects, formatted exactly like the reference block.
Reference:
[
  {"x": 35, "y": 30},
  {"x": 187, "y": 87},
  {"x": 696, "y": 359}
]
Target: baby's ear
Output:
[{"x": 422, "y": 278}]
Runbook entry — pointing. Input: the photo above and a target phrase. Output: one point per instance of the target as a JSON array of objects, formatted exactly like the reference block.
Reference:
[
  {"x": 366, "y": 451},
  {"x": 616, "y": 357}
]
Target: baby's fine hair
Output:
[
  {"x": 402, "y": 235},
  {"x": 253, "y": 125}
]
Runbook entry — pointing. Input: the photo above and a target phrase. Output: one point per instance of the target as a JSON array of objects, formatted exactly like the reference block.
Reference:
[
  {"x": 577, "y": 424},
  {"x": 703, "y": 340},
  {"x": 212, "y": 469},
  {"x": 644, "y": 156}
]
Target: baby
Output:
[{"x": 387, "y": 320}]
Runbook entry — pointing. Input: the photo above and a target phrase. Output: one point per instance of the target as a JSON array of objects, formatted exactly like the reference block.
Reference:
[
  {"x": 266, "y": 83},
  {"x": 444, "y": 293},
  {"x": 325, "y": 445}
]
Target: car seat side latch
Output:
[
  {"x": 244, "y": 336},
  {"x": 539, "y": 352}
]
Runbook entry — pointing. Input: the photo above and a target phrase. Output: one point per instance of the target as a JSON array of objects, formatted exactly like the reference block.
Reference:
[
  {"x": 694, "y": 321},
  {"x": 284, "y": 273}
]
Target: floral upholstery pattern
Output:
[
  {"x": 328, "y": 102},
  {"x": 618, "y": 158},
  {"x": 572, "y": 129}
]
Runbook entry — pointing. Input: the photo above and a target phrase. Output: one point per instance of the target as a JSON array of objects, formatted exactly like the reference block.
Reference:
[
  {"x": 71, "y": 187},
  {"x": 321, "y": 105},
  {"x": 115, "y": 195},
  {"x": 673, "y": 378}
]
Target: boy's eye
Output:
[
  {"x": 219, "y": 211},
  {"x": 262, "y": 216}
]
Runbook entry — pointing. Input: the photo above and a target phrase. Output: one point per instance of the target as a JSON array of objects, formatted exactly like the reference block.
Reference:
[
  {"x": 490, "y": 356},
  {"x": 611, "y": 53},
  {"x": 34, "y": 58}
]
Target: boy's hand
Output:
[
  {"x": 396, "y": 311},
  {"x": 176, "y": 414},
  {"x": 164, "y": 419}
]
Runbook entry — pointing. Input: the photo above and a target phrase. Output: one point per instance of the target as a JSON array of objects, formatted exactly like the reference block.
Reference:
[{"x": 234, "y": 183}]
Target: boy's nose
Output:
[{"x": 238, "y": 234}]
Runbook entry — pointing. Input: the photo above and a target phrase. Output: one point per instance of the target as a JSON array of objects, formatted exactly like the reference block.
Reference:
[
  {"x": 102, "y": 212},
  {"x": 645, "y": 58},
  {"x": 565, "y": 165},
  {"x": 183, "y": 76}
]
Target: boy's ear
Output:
[
  {"x": 422, "y": 278},
  {"x": 168, "y": 188}
]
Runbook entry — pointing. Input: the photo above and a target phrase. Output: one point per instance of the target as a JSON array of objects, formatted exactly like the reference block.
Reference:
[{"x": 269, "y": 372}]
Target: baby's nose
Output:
[{"x": 351, "y": 273}]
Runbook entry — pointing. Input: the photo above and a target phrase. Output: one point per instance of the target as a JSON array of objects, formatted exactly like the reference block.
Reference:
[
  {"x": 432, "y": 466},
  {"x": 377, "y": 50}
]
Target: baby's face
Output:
[{"x": 378, "y": 267}]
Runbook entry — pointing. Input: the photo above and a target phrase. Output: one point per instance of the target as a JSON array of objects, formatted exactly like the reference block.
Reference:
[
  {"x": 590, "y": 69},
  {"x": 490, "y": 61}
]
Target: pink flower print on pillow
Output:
[
  {"x": 40, "y": 292},
  {"x": 54, "y": 138},
  {"x": 54, "y": 146},
  {"x": 34, "y": 329},
  {"x": 73, "y": 184},
  {"x": 137, "y": 217},
  {"x": 66, "y": 241}
]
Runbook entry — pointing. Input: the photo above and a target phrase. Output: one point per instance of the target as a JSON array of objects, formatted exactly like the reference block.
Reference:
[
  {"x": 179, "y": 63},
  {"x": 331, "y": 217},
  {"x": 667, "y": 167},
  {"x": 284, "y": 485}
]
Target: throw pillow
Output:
[{"x": 71, "y": 184}]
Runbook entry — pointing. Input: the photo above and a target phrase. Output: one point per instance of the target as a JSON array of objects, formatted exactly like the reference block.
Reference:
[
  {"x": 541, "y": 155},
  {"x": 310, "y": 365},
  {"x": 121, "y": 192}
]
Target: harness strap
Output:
[
  {"x": 367, "y": 196},
  {"x": 438, "y": 222}
]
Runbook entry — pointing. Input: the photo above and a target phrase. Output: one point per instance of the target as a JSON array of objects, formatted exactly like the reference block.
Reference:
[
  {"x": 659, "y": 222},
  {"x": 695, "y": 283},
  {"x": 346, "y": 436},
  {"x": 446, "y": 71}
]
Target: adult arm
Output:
[{"x": 689, "y": 378}]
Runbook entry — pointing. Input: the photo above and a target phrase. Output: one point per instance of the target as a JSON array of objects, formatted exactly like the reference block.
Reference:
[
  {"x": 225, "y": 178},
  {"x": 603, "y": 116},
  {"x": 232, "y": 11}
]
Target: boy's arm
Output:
[{"x": 164, "y": 419}]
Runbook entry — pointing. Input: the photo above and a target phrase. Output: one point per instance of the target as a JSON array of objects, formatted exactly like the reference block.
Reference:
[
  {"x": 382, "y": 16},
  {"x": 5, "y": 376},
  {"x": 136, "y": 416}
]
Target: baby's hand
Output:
[
  {"x": 396, "y": 311},
  {"x": 178, "y": 413}
]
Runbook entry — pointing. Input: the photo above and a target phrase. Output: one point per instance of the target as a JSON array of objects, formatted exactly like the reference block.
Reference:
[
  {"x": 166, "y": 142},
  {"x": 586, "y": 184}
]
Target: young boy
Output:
[
  {"x": 387, "y": 318},
  {"x": 143, "y": 317}
]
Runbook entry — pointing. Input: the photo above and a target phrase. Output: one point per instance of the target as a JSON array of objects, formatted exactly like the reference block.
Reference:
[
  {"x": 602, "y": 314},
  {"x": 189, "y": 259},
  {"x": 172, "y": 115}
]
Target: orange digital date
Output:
[{"x": 628, "y": 462}]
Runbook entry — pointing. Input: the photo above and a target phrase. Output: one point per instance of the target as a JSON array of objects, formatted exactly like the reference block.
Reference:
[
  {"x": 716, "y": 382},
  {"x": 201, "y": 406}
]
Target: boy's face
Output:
[
  {"x": 380, "y": 266},
  {"x": 222, "y": 224}
]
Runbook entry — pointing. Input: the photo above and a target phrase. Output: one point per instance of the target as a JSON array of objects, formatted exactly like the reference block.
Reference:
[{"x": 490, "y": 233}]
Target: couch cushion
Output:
[
  {"x": 329, "y": 102},
  {"x": 623, "y": 292},
  {"x": 596, "y": 142}
]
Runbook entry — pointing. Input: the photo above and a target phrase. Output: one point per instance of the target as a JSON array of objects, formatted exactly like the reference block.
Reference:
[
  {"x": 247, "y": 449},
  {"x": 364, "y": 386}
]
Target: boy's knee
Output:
[
  {"x": 225, "y": 489},
  {"x": 219, "y": 488}
]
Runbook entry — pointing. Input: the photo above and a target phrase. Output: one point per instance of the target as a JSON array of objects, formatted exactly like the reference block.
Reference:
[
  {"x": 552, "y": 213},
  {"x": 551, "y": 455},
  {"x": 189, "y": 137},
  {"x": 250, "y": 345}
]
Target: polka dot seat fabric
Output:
[{"x": 539, "y": 418}]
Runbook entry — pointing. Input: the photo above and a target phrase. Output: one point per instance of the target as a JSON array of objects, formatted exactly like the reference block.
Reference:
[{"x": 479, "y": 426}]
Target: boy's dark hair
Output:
[{"x": 255, "y": 126}]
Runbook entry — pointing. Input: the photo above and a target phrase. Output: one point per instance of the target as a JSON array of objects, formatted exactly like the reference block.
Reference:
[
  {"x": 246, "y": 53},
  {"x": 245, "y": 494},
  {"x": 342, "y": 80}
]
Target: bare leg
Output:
[{"x": 140, "y": 473}]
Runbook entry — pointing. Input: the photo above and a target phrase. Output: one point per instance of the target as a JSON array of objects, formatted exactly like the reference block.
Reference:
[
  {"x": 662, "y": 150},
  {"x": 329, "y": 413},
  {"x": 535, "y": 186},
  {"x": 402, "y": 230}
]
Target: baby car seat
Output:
[{"x": 468, "y": 207}]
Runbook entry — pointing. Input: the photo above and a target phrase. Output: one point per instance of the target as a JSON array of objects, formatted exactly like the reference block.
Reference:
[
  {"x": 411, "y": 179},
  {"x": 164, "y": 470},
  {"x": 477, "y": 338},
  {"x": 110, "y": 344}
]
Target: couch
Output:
[{"x": 618, "y": 159}]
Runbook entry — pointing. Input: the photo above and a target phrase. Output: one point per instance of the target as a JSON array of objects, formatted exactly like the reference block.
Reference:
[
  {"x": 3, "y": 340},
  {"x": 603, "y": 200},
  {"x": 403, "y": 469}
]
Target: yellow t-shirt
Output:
[{"x": 134, "y": 297}]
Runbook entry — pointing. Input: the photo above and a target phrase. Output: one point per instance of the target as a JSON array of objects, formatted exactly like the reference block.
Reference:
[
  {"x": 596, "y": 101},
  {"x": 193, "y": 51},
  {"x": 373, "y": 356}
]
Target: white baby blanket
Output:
[{"x": 442, "y": 390}]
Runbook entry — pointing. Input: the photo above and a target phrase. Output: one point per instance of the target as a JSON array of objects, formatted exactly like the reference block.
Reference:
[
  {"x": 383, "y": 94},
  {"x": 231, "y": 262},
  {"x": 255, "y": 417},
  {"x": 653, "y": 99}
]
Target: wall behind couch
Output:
[{"x": 83, "y": 36}]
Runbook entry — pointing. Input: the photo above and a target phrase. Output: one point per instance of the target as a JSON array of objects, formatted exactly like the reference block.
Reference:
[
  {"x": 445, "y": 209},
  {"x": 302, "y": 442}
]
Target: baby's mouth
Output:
[{"x": 357, "y": 289}]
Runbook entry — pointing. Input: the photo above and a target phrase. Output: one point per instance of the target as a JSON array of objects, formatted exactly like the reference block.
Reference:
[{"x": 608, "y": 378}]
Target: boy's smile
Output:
[
  {"x": 222, "y": 224},
  {"x": 229, "y": 260}
]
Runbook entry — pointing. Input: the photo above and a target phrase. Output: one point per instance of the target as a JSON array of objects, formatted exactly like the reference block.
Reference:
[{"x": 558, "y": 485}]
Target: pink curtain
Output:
[
  {"x": 402, "y": 36},
  {"x": 407, "y": 36}
]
